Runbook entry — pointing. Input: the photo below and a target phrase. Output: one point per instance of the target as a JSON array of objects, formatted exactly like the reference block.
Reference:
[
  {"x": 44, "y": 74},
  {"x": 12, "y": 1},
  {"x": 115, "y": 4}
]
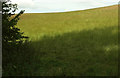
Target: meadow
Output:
[{"x": 78, "y": 43}]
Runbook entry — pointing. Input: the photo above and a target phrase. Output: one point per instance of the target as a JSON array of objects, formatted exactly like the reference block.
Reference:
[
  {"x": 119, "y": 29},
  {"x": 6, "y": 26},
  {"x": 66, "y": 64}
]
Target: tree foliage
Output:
[{"x": 10, "y": 32}]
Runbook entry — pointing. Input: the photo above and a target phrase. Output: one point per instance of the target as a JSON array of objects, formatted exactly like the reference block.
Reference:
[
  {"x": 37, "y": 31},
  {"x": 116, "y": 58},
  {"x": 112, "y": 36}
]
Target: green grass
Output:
[
  {"x": 36, "y": 25},
  {"x": 81, "y": 43}
]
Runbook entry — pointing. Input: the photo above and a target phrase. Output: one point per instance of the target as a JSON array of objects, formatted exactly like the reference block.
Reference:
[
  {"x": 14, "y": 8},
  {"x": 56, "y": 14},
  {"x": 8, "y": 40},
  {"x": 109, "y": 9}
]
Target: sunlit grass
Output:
[{"x": 37, "y": 25}]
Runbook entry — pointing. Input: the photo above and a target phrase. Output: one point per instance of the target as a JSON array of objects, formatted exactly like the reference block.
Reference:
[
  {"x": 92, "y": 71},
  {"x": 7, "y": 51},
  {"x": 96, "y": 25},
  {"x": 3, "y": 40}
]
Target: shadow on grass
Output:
[{"x": 85, "y": 53}]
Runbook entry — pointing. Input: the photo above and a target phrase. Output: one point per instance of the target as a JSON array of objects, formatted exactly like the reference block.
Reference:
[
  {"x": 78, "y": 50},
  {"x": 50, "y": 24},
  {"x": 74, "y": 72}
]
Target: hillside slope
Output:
[
  {"x": 81, "y": 43},
  {"x": 36, "y": 25}
]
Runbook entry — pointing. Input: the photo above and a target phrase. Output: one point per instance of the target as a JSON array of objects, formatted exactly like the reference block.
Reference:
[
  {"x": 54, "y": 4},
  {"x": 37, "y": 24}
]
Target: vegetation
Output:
[
  {"x": 12, "y": 38},
  {"x": 11, "y": 33},
  {"x": 81, "y": 43}
]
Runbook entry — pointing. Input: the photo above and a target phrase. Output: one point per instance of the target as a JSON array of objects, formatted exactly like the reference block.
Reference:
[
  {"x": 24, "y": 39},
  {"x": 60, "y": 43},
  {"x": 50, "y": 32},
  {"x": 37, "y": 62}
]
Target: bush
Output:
[{"x": 10, "y": 32}]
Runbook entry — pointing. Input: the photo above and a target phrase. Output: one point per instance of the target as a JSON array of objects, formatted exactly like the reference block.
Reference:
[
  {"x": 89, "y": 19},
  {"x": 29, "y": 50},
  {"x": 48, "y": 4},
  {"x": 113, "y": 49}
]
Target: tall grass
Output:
[
  {"x": 36, "y": 25},
  {"x": 81, "y": 43}
]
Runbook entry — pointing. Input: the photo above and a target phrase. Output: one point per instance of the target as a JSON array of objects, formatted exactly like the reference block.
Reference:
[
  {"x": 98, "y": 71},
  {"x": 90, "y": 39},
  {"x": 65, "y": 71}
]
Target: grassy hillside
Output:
[
  {"x": 36, "y": 25},
  {"x": 81, "y": 43}
]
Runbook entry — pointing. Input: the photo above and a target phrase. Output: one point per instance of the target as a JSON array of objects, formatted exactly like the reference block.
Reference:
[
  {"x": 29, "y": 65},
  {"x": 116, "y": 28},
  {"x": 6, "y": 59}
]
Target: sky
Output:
[{"x": 48, "y": 6}]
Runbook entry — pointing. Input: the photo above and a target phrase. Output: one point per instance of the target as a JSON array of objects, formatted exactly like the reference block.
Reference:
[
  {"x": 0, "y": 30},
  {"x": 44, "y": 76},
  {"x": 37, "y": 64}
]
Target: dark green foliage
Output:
[
  {"x": 13, "y": 40},
  {"x": 85, "y": 53},
  {"x": 10, "y": 33}
]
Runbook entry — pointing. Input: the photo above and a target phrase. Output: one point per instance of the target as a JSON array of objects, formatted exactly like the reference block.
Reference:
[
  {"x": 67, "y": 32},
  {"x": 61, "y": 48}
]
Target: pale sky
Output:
[{"x": 44, "y": 6}]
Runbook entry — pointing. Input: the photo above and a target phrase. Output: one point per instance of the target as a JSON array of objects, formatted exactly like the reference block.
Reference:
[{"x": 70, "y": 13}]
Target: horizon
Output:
[
  {"x": 72, "y": 11},
  {"x": 68, "y": 11},
  {"x": 56, "y": 6}
]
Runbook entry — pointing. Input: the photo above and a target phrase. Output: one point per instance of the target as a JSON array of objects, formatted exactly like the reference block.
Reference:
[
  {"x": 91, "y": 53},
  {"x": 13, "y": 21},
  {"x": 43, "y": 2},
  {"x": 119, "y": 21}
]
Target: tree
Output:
[{"x": 10, "y": 32}]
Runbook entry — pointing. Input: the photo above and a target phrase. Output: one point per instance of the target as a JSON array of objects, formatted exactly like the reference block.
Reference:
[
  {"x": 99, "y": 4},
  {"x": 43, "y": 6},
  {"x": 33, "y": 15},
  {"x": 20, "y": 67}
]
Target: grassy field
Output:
[{"x": 79, "y": 43}]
